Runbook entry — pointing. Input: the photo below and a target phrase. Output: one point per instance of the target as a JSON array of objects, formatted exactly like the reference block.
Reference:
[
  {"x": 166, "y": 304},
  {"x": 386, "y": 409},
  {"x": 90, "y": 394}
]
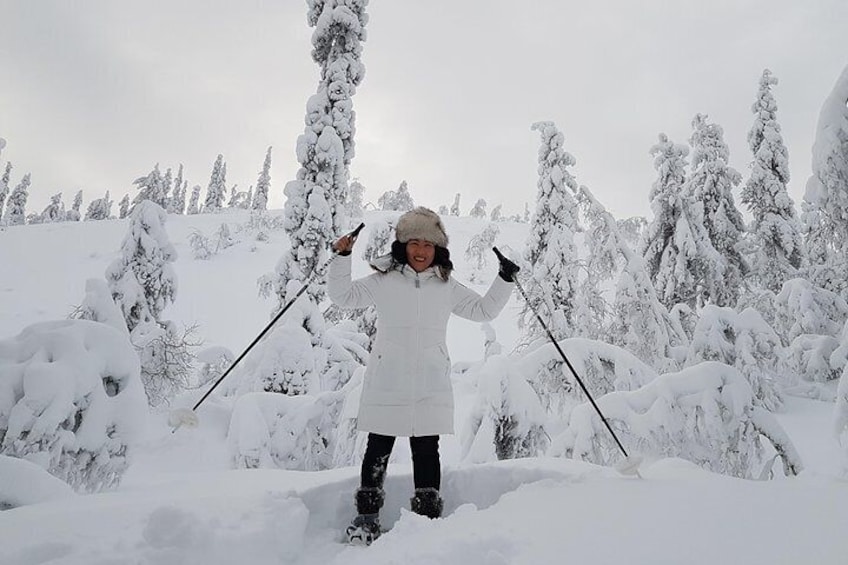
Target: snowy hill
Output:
[{"x": 180, "y": 501}]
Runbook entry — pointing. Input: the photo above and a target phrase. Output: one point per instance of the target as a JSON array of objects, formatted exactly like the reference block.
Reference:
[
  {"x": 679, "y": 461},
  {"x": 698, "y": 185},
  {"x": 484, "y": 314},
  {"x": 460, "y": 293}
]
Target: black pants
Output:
[{"x": 426, "y": 468}]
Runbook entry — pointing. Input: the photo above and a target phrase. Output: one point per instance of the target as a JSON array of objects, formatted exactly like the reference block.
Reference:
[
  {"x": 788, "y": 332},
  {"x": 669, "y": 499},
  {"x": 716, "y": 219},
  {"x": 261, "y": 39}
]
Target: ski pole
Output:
[
  {"x": 188, "y": 416},
  {"x": 564, "y": 358}
]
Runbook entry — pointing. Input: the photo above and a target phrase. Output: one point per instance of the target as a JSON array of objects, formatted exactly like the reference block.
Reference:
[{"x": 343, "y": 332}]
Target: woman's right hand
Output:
[{"x": 344, "y": 245}]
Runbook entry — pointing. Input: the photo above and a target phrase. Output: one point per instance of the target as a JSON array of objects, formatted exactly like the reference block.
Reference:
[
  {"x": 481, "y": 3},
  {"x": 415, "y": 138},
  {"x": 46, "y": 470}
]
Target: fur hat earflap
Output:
[{"x": 422, "y": 223}]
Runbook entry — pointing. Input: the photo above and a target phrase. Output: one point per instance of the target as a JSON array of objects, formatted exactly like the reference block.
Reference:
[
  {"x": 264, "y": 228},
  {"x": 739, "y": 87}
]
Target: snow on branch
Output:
[{"x": 704, "y": 413}]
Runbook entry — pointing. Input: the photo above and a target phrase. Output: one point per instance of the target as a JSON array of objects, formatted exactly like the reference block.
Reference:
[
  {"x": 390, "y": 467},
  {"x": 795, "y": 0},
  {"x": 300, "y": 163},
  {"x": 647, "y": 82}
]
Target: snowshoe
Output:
[{"x": 363, "y": 530}]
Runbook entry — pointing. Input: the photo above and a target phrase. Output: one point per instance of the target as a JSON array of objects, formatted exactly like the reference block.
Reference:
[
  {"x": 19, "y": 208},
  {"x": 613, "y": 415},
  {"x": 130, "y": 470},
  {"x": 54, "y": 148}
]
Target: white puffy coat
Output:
[{"x": 407, "y": 389}]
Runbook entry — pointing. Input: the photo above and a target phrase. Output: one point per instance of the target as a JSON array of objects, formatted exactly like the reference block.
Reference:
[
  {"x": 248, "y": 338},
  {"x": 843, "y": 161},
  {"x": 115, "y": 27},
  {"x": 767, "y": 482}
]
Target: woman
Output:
[{"x": 407, "y": 389}]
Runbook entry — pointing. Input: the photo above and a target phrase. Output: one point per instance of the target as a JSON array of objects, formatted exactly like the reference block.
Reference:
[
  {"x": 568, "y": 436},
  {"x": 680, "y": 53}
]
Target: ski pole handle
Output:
[
  {"x": 499, "y": 254},
  {"x": 344, "y": 245},
  {"x": 355, "y": 233}
]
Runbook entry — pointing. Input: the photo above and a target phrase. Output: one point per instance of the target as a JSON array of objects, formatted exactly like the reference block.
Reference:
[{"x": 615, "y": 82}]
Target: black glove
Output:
[{"x": 508, "y": 268}]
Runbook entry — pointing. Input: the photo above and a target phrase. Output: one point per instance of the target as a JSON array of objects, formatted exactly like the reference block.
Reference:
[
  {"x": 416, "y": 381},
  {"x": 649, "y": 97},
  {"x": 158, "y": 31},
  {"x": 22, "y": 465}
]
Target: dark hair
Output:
[{"x": 441, "y": 258}]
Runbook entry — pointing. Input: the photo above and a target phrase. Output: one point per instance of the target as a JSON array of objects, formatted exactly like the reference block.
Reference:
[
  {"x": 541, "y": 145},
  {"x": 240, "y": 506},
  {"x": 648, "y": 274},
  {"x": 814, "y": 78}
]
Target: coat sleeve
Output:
[
  {"x": 466, "y": 303},
  {"x": 345, "y": 292}
]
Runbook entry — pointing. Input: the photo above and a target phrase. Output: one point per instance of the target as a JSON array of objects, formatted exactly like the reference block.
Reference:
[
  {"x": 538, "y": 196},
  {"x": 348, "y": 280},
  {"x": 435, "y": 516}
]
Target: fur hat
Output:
[{"x": 422, "y": 223}]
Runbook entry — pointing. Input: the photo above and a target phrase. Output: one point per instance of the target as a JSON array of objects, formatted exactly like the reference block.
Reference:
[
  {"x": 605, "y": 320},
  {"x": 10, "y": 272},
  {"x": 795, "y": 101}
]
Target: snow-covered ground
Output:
[{"x": 181, "y": 503}]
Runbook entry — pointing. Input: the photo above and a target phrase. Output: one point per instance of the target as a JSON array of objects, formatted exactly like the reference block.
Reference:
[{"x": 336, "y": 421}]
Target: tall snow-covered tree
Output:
[
  {"x": 216, "y": 191},
  {"x": 825, "y": 205},
  {"x": 99, "y": 209},
  {"x": 775, "y": 231},
  {"x": 263, "y": 184},
  {"x": 142, "y": 278},
  {"x": 73, "y": 215},
  {"x": 142, "y": 282},
  {"x": 151, "y": 187},
  {"x": 354, "y": 205},
  {"x": 479, "y": 249},
  {"x": 194, "y": 202},
  {"x": 124, "y": 207},
  {"x": 668, "y": 244},
  {"x": 550, "y": 254},
  {"x": 314, "y": 208},
  {"x": 710, "y": 184},
  {"x": 4, "y": 186},
  {"x": 496, "y": 215},
  {"x": 176, "y": 203},
  {"x": 16, "y": 205},
  {"x": 479, "y": 209}
]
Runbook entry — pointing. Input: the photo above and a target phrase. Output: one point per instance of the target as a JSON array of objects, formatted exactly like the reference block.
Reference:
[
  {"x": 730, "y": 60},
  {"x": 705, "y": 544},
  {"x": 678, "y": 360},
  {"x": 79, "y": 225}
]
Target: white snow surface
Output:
[{"x": 181, "y": 501}]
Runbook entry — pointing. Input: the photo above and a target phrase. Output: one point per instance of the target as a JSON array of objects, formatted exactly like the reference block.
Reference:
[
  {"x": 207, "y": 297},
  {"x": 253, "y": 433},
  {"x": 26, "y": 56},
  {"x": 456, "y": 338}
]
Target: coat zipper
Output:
[{"x": 419, "y": 352}]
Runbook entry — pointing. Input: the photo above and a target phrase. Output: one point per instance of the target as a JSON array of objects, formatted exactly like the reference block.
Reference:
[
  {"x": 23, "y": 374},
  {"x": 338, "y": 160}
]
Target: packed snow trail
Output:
[{"x": 519, "y": 511}]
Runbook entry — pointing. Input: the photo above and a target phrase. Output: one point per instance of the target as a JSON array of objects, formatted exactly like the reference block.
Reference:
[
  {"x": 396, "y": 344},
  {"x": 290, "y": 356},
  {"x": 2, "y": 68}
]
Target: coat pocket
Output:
[
  {"x": 436, "y": 366},
  {"x": 388, "y": 369}
]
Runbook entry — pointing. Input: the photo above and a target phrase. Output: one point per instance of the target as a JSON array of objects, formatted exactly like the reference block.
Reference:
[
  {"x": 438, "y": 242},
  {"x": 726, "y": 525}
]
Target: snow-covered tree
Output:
[
  {"x": 4, "y": 186},
  {"x": 142, "y": 278},
  {"x": 631, "y": 229},
  {"x": 314, "y": 208},
  {"x": 354, "y": 206},
  {"x": 479, "y": 249},
  {"x": 745, "y": 341},
  {"x": 55, "y": 210},
  {"x": 194, "y": 201},
  {"x": 670, "y": 242},
  {"x": 708, "y": 417},
  {"x": 775, "y": 231},
  {"x": 824, "y": 215},
  {"x": 72, "y": 401},
  {"x": 73, "y": 215},
  {"x": 124, "y": 207},
  {"x": 177, "y": 201},
  {"x": 151, "y": 187},
  {"x": 263, "y": 184},
  {"x": 443, "y": 210},
  {"x": 142, "y": 282},
  {"x": 397, "y": 200},
  {"x": 454, "y": 210},
  {"x": 710, "y": 186},
  {"x": 100, "y": 208},
  {"x": 496, "y": 215},
  {"x": 551, "y": 256},
  {"x": 217, "y": 189},
  {"x": 16, "y": 204},
  {"x": 507, "y": 421},
  {"x": 479, "y": 209},
  {"x": 636, "y": 321}
]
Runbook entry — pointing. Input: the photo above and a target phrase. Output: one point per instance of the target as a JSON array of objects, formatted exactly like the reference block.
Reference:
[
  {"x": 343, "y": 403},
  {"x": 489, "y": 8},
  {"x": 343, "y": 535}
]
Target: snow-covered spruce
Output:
[
  {"x": 826, "y": 197},
  {"x": 552, "y": 266},
  {"x": 704, "y": 413},
  {"x": 217, "y": 187},
  {"x": 775, "y": 234},
  {"x": 71, "y": 400},
  {"x": 479, "y": 250},
  {"x": 100, "y": 208},
  {"x": 745, "y": 341},
  {"x": 710, "y": 187},
  {"x": 16, "y": 203}
]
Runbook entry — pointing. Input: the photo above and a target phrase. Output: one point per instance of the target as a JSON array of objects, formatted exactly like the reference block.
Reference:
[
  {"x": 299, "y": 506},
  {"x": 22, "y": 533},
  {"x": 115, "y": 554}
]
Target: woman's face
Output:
[{"x": 420, "y": 254}]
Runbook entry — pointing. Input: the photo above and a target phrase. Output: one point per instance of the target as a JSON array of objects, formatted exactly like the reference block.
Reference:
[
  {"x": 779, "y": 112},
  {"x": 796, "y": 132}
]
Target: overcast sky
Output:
[{"x": 95, "y": 92}]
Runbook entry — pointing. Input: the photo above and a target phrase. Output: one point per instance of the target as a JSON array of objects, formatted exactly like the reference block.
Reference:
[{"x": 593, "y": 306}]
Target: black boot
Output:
[
  {"x": 427, "y": 502},
  {"x": 365, "y": 527}
]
